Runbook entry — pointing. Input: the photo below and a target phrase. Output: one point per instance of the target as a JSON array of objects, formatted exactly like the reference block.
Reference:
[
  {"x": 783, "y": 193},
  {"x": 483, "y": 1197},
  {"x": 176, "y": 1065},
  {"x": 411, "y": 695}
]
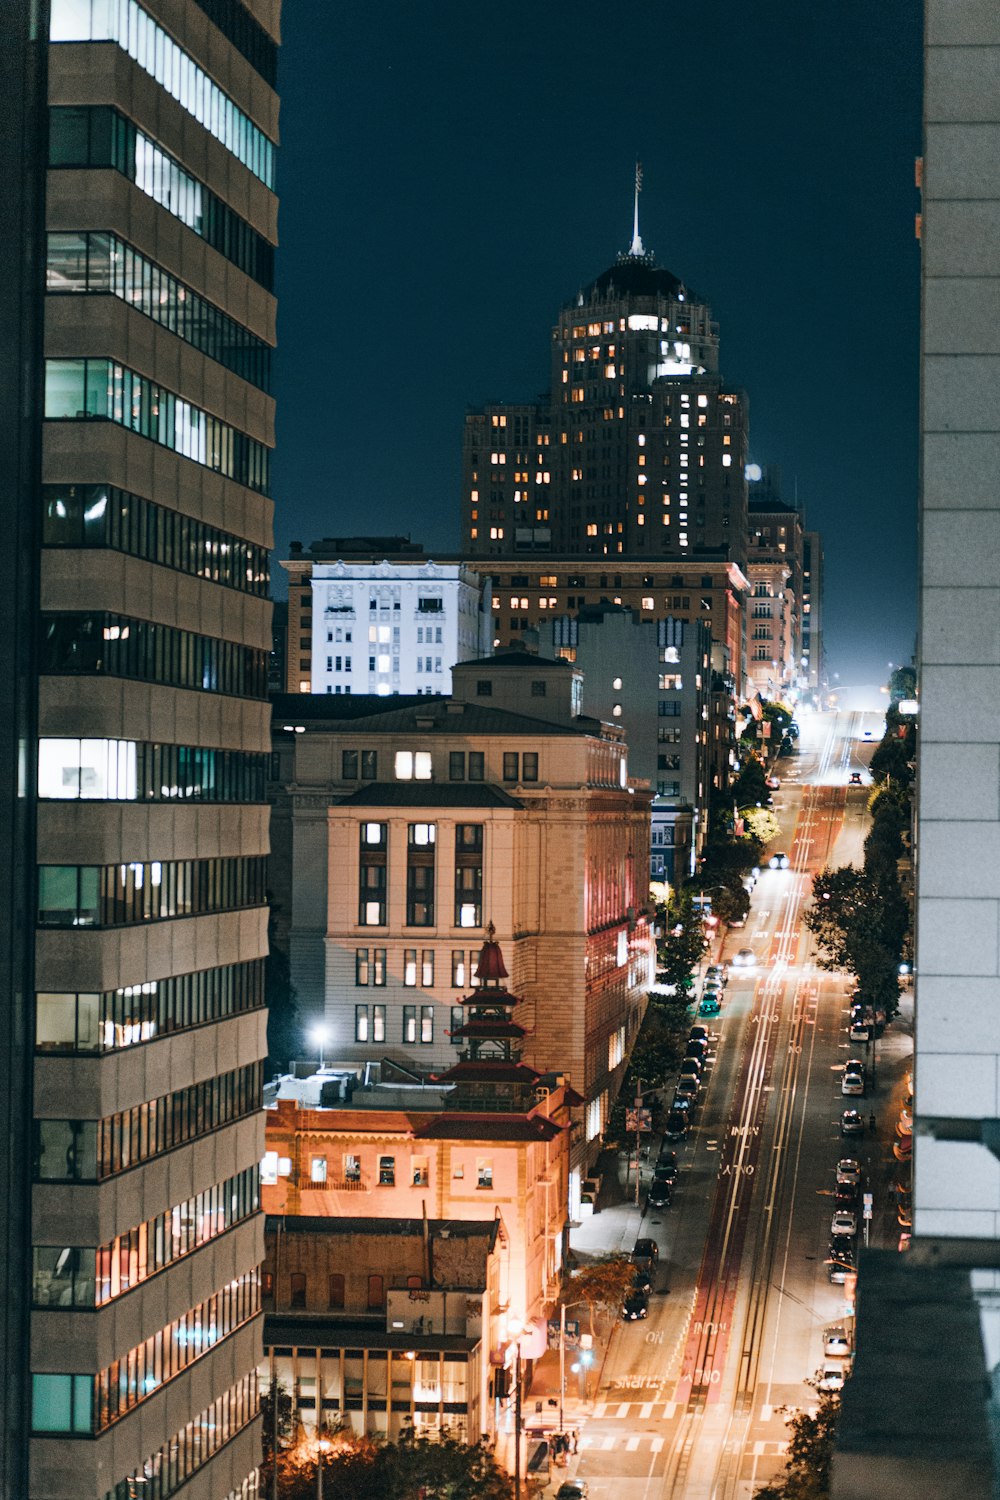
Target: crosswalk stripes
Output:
[{"x": 632, "y": 1443}]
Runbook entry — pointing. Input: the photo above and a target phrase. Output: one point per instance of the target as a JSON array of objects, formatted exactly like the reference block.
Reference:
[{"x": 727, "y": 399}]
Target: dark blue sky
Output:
[{"x": 452, "y": 172}]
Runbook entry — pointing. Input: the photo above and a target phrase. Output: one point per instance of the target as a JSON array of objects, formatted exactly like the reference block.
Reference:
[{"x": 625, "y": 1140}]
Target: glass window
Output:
[
  {"x": 361, "y": 1023},
  {"x": 427, "y": 968},
  {"x": 529, "y": 766},
  {"x": 352, "y": 1168},
  {"x": 349, "y": 765},
  {"x": 369, "y": 765},
  {"x": 510, "y": 760},
  {"x": 61, "y": 1403},
  {"x": 456, "y": 765},
  {"x": 378, "y": 1023},
  {"x": 409, "y": 1023},
  {"x": 477, "y": 763},
  {"x": 404, "y": 765},
  {"x": 409, "y": 966},
  {"x": 458, "y": 968},
  {"x": 317, "y": 1169},
  {"x": 378, "y": 974},
  {"x": 387, "y": 1171},
  {"x": 362, "y": 968},
  {"x": 65, "y": 387},
  {"x": 336, "y": 1291},
  {"x": 484, "y": 1172},
  {"x": 376, "y": 1295},
  {"x": 427, "y": 1023}
]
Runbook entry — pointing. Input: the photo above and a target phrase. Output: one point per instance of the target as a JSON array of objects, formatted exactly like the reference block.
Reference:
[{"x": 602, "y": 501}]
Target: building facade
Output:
[
  {"x": 526, "y": 592},
  {"x": 386, "y": 1326},
  {"x": 639, "y": 448},
  {"x": 655, "y": 678},
  {"x": 403, "y": 833},
  {"x": 813, "y": 667},
  {"x": 771, "y": 665},
  {"x": 136, "y": 659},
  {"x": 387, "y": 628}
]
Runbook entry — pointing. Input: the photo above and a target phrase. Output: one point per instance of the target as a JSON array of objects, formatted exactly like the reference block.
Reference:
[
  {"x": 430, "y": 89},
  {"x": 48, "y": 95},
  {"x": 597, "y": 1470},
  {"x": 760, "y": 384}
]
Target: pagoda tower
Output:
[{"x": 491, "y": 1078}]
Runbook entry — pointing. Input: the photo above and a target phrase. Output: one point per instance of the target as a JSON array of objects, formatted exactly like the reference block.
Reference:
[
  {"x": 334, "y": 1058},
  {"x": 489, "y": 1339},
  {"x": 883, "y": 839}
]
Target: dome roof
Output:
[{"x": 634, "y": 276}]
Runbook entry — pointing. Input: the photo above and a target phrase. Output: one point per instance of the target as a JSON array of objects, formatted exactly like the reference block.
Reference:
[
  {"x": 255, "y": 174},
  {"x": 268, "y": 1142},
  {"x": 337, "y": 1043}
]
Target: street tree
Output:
[
  {"x": 750, "y": 786},
  {"x": 601, "y": 1284},
  {"x": 838, "y": 896},
  {"x": 761, "y": 824},
  {"x": 810, "y": 1454},
  {"x": 680, "y": 950}
]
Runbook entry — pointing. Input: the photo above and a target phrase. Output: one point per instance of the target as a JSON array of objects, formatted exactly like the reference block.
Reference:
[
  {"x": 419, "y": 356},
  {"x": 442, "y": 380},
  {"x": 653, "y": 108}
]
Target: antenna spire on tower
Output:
[{"x": 637, "y": 248}]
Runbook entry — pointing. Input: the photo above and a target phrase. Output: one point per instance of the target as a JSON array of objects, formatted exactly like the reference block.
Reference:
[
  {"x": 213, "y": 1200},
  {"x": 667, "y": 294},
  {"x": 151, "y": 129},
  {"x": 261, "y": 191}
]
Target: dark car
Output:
[
  {"x": 678, "y": 1125},
  {"x": 660, "y": 1194},
  {"x": 665, "y": 1174},
  {"x": 645, "y": 1252},
  {"x": 692, "y": 1066},
  {"x": 687, "y": 1093},
  {"x": 642, "y": 1280},
  {"x": 696, "y": 1047},
  {"x": 698, "y": 1032},
  {"x": 846, "y": 1195},
  {"x": 839, "y": 1261},
  {"x": 636, "y": 1305}
]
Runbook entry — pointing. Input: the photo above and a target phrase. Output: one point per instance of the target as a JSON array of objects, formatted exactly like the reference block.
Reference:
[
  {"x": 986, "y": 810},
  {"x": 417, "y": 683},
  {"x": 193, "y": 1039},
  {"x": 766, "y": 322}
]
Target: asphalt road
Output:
[{"x": 690, "y": 1401}]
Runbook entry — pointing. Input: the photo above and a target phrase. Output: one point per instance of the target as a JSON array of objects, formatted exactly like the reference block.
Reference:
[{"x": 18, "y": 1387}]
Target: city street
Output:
[{"x": 689, "y": 1404}]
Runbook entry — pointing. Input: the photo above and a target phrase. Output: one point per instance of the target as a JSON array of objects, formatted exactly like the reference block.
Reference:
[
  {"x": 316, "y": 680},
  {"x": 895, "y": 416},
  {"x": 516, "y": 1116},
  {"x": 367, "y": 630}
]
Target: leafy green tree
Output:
[
  {"x": 656, "y": 1052},
  {"x": 838, "y": 897},
  {"x": 602, "y": 1284},
  {"x": 730, "y": 902},
  {"x": 424, "y": 1468},
  {"x": 892, "y": 759},
  {"x": 680, "y": 949},
  {"x": 810, "y": 1454},
  {"x": 750, "y": 786}
]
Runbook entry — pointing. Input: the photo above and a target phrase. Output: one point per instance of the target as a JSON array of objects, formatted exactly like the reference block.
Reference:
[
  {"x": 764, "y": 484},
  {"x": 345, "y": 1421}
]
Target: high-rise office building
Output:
[
  {"x": 137, "y": 318},
  {"x": 639, "y": 448}
]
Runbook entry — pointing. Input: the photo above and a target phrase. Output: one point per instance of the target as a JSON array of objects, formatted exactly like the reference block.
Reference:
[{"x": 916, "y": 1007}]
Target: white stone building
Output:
[{"x": 390, "y": 628}]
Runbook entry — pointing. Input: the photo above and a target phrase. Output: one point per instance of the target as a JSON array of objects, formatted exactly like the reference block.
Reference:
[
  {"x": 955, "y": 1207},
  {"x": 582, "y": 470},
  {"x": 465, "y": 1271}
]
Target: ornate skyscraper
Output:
[
  {"x": 639, "y": 448},
  {"x": 138, "y": 318}
]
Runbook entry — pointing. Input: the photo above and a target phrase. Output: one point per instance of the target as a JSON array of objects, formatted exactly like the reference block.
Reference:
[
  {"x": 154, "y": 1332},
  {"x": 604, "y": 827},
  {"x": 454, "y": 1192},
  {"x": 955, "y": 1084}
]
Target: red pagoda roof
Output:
[
  {"x": 491, "y": 966},
  {"x": 488, "y": 1072}
]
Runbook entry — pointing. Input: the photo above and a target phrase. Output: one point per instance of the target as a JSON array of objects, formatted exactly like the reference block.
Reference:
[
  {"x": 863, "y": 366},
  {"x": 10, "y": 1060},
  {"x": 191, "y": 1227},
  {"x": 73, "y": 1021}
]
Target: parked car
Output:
[
  {"x": 851, "y": 1123},
  {"x": 666, "y": 1162},
  {"x": 779, "y": 860},
  {"x": 830, "y": 1375},
  {"x": 852, "y": 1083},
  {"x": 687, "y": 1088},
  {"x": 836, "y": 1343},
  {"x": 709, "y": 1005},
  {"x": 572, "y": 1489},
  {"x": 696, "y": 1047},
  {"x": 718, "y": 973},
  {"x": 659, "y": 1195},
  {"x": 691, "y": 1066},
  {"x": 678, "y": 1125},
  {"x": 840, "y": 1261},
  {"x": 636, "y": 1305},
  {"x": 846, "y": 1196},
  {"x": 698, "y": 1033},
  {"x": 849, "y": 1170},
  {"x": 645, "y": 1252},
  {"x": 844, "y": 1224}
]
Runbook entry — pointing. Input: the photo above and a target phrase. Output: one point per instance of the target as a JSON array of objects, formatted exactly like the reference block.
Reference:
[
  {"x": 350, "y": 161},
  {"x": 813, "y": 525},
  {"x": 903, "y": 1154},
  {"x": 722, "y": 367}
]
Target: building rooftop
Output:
[
  {"x": 636, "y": 276},
  {"x": 289, "y": 709},
  {"x": 456, "y": 1126},
  {"x": 429, "y": 794},
  {"x": 454, "y": 1229},
  {"x": 313, "y": 1332},
  {"x": 421, "y": 715},
  {"x": 915, "y": 1413},
  {"x": 521, "y": 661}
]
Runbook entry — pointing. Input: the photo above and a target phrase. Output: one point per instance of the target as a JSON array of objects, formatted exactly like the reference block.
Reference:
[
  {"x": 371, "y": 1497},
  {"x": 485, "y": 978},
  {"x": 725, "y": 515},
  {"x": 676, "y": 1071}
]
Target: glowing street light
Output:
[{"x": 320, "y": 1034}]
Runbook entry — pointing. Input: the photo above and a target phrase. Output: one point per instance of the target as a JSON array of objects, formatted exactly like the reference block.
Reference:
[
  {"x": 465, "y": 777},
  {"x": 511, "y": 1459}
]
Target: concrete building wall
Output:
[{"x": 957, "y": 1077}]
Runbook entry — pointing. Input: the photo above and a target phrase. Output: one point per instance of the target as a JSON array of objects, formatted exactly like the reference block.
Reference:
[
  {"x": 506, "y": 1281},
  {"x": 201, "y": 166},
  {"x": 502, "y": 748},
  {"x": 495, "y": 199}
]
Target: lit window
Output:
[
  {"x": 617, "y": 711},
  {"x": 727, "y": 459}
]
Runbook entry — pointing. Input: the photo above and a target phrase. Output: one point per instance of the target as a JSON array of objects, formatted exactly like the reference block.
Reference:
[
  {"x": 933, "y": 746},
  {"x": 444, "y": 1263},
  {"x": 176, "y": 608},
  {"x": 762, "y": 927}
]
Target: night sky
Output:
[{"x": 451, "y": 173}]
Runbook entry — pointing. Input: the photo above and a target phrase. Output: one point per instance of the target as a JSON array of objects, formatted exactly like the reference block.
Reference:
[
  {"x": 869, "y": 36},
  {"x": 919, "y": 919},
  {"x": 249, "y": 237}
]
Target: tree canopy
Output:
[
  {"x": 602, "y": 1284},
  {"x": 810, "y": 1453}
]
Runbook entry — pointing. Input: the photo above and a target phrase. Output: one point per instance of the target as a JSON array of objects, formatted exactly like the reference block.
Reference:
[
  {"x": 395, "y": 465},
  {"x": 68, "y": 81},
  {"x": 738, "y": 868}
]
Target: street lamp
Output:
[
  {"x": 322, "y": 1446},
  {"x": 515, "y": 1328},
  {"x": 320, "y": 1034}
]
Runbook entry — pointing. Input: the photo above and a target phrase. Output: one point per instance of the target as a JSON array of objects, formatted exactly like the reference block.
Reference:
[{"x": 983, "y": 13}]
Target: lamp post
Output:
[
  {"x": 320, "y": 1034},
  {"x": 320, "y": 1450},
  {"x": 515, "y": 1328}
]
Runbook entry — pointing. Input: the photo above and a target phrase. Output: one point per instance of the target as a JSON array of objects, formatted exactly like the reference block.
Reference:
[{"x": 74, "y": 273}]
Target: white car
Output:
[
  {"x": 852, "y": 1083},
  {"x": 849, "y": 1171},
  {"x": 836, "y": 1344},
  {"x": 844, "y": 1223},
  {"x": 830, "y": 1375},
  {"x": 744, "y": 959}
]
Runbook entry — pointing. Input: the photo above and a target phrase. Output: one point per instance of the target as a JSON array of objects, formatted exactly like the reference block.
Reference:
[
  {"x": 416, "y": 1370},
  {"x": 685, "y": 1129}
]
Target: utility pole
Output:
[
  {"x": 638, "y": 1135},
  {"x": 517, "y": 1422},
  {"x": 562, "y": 1362}
]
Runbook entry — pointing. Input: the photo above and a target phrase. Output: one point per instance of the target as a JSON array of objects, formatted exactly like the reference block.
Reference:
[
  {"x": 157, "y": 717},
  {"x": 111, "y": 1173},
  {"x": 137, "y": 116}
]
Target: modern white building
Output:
[{"x": 390, "y": 628}]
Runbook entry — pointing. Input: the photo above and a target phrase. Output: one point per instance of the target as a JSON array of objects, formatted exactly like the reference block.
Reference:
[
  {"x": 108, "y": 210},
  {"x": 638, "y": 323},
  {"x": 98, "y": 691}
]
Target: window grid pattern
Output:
[
  {"x": 135, "y": 771},
  {"x": 99, "y": 136},
  {"x": 129, "y": 1381},
  {"x": 107, "y": 645},
  {"x": 148, "y": 890},
  {"x": 102, "y": 263},
  {"x": 165, "y": 1471},
  {"x": 109, "y": 1020},
  {"x": 134, "y": 30},
  {"x": 94, "y": 1150},
  {"x": 82, "y": 1277},
  {"x": 247, "y": 35},
  {"x": 84, "y": 390},
  {"x": 100, "y": 515}
]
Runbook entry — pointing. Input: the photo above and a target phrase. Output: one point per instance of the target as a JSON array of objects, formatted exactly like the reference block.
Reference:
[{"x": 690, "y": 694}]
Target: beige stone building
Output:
[
  {"x": 400, "y": 832},
  {"x": 771, "y": 628}
]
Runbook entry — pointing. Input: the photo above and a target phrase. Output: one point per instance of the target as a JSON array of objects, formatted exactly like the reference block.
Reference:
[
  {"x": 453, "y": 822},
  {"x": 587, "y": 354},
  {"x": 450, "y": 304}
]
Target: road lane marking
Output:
[
  {"x": 599, "y": 1409},
  {"x": 624, "y": 1409},
  {"x": 632, "y": 1443},
  {"x": 669, "y": 1410},
  {"x": 608, "y": 1444},
  {"x": 766, "y": 1412},
  {"x": 645, "y": 1411},
  {"x": 657, "y": 1445}
]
